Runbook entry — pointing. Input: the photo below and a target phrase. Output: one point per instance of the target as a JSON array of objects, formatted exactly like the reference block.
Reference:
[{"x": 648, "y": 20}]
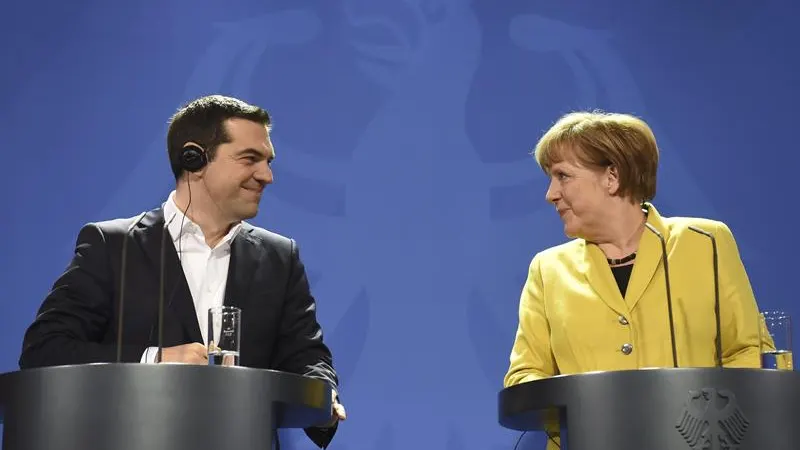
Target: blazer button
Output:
[
  {"x": 623, "y": 320},
  {"x": 627, "y": 349}
]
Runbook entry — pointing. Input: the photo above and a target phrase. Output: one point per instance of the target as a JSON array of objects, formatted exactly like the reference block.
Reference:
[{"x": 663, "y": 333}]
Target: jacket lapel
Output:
[
  {"x": 243, "y": 264},
  {"x": 595, "y": 267},
  {"x": 648, "y": 258},
  {"x": 177, "y": 297}
]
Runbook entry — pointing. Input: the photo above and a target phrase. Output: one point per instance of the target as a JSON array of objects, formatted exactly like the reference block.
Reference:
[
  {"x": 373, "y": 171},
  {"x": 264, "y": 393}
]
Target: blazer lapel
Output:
[
  {"x": 600, "y": 278},
  {"x": 243, "y": 264},
  {"x": 177, "y": 297},
  {"x": 648, "y": 259}
]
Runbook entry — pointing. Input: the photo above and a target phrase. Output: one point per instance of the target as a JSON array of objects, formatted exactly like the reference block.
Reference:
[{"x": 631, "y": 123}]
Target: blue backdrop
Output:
[{"x": 403, "y": 130}]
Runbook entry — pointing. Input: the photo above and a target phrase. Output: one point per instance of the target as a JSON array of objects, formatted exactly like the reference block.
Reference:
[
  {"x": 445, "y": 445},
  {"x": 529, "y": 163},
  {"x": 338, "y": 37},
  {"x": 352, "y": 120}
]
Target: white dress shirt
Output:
[{"x": 205, "y": 268}]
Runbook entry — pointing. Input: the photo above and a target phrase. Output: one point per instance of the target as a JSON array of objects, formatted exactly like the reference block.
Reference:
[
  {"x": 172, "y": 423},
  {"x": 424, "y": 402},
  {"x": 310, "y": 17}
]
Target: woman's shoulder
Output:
[
  {"x": 679, "y": 225},
  {"x": 567, "y": 251},
  {"x": 675, "y": 226}
]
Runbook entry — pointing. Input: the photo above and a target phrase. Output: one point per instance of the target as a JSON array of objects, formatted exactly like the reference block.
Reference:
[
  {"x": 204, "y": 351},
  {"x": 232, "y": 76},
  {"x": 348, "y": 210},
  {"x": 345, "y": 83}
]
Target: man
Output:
[{"x": 220, "y": 153}]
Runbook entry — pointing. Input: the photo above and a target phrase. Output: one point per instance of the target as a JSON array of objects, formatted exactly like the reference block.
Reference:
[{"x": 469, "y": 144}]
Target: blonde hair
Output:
[{"x": 599, "y": 139}]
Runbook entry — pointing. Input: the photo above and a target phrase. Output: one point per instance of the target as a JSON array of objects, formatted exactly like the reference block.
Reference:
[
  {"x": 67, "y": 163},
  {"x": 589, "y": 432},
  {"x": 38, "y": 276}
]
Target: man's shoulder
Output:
[
  {"x": 268, "y": 238},
  {"x": 119, "y": 225}
]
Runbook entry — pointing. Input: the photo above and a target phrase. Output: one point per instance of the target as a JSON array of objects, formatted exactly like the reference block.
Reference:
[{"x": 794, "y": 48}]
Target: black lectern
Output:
[
  {"x": 661, "y": 409},
  {"x": 155, "y": 407}
]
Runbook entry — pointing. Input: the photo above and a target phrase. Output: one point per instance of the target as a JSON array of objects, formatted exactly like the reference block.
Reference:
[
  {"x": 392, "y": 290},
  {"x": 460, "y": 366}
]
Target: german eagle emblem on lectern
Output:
[{"x": 711, "y": 420}]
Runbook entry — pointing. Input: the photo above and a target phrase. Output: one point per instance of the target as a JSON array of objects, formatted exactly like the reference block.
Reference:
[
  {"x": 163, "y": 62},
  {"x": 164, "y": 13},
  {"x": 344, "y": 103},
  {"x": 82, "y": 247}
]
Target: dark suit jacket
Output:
[{"x": 77, "y": 322}]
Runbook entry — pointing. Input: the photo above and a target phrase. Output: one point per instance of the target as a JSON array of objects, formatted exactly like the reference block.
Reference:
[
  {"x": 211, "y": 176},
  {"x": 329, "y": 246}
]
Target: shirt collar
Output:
[{"x": 177, "y": 222}]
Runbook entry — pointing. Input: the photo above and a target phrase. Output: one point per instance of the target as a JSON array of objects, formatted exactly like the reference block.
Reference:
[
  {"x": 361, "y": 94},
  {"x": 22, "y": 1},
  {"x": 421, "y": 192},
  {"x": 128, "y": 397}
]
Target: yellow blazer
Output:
[{"x": 572, "y": 317}]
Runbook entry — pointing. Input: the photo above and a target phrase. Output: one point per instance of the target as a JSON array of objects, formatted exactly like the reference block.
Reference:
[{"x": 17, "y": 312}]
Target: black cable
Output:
[
  {"x": 546, "y": 433},
  {"x": 519, "y": 440}
]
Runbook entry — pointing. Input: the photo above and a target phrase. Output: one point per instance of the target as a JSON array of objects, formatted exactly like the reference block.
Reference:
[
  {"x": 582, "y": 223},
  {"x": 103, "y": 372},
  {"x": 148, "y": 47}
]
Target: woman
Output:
[{"x": 598, "y": 302}]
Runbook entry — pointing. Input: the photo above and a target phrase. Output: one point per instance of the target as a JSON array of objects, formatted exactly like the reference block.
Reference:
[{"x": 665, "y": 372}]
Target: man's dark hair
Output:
[{"x": 202, "y": 121}]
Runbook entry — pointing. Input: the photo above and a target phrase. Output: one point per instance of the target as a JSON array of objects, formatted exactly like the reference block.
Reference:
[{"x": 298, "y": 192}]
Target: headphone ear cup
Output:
[{"x": 193, "y": 158}]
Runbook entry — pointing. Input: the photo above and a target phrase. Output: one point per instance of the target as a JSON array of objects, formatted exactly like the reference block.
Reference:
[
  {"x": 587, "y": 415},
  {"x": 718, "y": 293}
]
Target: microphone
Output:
[
  {"x": 716, "y": 290},
  {"x": 121, "y": 302},
  {"x": 669, "y": 294},
  {"x": 164, "y": 233}
]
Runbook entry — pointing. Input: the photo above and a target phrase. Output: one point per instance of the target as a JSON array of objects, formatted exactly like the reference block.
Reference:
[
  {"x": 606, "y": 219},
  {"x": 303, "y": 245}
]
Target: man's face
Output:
[{"x": 240, "y": 170}]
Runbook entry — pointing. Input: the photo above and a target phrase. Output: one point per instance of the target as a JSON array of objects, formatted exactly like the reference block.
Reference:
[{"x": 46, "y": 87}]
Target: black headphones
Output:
[{"x": 192, "y": 157}]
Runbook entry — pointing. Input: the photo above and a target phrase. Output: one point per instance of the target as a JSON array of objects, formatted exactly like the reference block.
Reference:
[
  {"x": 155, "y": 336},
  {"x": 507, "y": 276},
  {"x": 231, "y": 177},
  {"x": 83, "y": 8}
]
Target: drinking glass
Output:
[
  {"x": 775, "y": 333},
  {"x": 224, "y": 335}
]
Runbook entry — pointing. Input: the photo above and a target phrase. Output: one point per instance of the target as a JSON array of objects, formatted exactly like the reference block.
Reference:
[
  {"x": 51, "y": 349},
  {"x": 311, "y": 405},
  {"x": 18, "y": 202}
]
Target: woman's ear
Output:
[{"x": 612, "y": 180}]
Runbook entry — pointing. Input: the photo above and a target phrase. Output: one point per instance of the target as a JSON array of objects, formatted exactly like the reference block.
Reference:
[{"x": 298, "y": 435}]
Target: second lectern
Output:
[{"x": 661, "y": 409}]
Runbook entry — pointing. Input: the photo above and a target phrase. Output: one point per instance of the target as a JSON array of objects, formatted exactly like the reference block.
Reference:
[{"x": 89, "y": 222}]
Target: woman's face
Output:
[{"x": 581, "y": 196}]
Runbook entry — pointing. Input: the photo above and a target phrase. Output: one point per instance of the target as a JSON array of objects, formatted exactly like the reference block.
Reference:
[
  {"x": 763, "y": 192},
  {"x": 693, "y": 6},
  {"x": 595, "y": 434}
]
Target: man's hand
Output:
[
  {"x": 337, "y": 411},
  {"x": 194, "y": 353}
]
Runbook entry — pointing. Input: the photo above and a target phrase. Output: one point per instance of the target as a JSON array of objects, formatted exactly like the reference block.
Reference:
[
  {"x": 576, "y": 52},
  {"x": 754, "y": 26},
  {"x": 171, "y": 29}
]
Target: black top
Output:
[{"x": 622, "y": 274}]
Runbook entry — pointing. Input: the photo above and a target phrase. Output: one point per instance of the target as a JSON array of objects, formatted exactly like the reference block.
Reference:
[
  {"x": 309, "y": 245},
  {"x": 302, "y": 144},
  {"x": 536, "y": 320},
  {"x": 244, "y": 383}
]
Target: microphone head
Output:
[
  {"x": 701, "y": 231},
  {"x": 653, "y": 229},
  {"x": 135, "y": 222}
]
